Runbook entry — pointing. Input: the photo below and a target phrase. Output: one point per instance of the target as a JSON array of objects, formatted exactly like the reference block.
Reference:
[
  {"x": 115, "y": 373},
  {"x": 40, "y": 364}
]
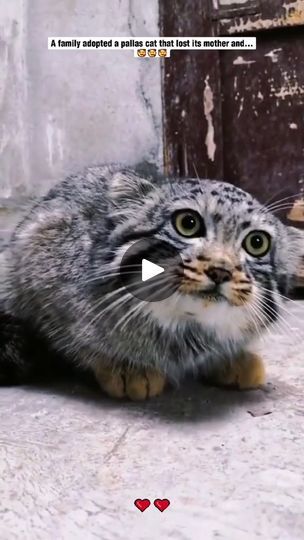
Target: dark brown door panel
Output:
[
  {"x": 238, "y": 115},
  {"x": 263, "y": 115}
]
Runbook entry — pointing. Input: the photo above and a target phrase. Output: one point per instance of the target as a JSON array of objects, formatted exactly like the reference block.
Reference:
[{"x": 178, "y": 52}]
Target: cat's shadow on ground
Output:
[{"x": 192, "y": 402}]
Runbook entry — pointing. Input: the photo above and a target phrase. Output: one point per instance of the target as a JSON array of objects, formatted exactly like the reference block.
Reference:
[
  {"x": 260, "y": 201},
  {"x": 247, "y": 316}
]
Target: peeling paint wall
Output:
[
  {"x": 63, "y": 110},
  {"x": 208, "y": 108},
  {"x": 14, "y": 148}
]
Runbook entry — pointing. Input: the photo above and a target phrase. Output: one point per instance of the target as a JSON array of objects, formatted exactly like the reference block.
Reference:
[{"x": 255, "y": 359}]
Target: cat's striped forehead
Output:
[
  {"x": 225, "y": 209},
  {"x": 221, "y": 204},
  {"x": 211, "y": 193}
]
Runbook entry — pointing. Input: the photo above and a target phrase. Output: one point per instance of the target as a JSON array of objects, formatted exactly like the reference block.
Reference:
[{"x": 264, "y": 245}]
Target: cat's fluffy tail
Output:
[
  {"x": 25, "y": 356},
  {"x": 16, "y": 364}
]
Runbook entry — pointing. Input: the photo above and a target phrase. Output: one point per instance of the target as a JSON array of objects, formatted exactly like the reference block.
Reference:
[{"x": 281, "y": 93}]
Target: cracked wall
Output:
[{"x": 63, "y": 110}]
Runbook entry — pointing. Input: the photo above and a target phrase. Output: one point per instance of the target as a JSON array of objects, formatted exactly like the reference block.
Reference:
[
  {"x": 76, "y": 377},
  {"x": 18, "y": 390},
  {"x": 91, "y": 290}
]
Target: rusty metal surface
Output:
[
  {"x": 272, "y": 14},
  {"x": 231, "y": 9},
  {"x": 191, "y": 95}
]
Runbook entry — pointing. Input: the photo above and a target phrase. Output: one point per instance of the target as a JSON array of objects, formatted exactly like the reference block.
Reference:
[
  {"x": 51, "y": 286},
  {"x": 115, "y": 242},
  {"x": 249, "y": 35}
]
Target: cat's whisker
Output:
[
  {"x": 128, "y": 316},
  {"x": 280, "y": 203},
  {"x": 271, "y": 311},
  {"x": 285, "y": 299},
  {"x": 279, "y": 323},
  {"x": 283, "y": 307},
  {"x": 253, "y": 315},
  {"x": 121, "y": 301},
  {"x": 253, "y": 308},
  {"x": 116, "y": 272},
  {"x": 109, "y": 267},
  {"x": 103, "y": 277},
  {"x": 106, "y": 298},
  {"x": 109, "y": 295},
  {"x": 195, "y": 170},
  {"x": 276, "y": 209},
  {"x": 103, "y": 300},
  {"x": 264, "y": 298},
  {"x": 295, "y": 331},
  {"x": 273, "y": 211},
  {"x": 269, "y": 203},
  {"x": 264, "y": 325},
  {"x": 269, "y": 209},
  {"x": 297, "y": 195},
  {"x": 285, "y": 206},
  {"x": 274, "y": 203}
]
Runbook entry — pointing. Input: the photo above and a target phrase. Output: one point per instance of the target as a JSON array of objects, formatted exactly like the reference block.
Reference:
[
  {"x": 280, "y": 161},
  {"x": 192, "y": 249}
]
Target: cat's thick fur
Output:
[{"x": 64, "y": 279}]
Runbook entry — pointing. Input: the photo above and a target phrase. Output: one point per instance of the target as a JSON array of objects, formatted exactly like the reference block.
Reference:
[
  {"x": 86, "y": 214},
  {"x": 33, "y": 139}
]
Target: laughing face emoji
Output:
[
  {"x": 152, "y": 53},
  {"x": 162, "y": 53},
  {"x": 141, "y": 53}
]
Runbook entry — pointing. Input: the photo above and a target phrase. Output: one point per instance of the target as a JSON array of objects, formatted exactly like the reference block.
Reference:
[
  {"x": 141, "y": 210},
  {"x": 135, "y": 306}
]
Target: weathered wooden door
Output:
[{"x": 238, "y": 115}]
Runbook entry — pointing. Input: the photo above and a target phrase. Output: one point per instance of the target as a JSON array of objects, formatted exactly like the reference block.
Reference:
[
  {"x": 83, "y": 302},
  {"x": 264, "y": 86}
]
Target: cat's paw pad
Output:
[
  {"x": 247, "y": 372},
  {"x": 135, "y": 385},
  {"x": 142, "y": 386},
  {"x": 112, "y": 383}
]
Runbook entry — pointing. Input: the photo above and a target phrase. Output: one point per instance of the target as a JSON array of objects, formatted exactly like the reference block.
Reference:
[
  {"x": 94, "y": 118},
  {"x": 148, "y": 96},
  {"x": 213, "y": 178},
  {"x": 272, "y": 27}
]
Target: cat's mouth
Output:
[
  {"x": 234, "y": 289},
  {"x": 214, "y": 296},
  {"x": 210, "y": 294}
]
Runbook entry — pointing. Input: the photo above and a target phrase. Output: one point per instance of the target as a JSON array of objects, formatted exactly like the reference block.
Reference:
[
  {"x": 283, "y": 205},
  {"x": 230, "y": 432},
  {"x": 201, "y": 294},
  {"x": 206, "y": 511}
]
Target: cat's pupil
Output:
[
  {"x": 188, "y": 222},
  {"x": 256, "y": 241}
]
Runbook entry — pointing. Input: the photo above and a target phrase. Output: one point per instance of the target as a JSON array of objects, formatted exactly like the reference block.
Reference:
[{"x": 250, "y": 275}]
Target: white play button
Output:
[
  {"x": 150, "y": 270},
  {"x": 141, "y": 266}
]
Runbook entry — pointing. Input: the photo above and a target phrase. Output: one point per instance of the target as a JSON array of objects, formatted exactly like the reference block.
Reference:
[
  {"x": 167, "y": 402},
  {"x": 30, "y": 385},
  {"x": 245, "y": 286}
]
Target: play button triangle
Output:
[{"x": 150, "y": 269}]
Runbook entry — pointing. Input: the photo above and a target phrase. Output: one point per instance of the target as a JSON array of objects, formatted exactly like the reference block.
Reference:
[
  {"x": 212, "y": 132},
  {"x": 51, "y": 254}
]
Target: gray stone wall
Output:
[{"x": 62, "y": 110}]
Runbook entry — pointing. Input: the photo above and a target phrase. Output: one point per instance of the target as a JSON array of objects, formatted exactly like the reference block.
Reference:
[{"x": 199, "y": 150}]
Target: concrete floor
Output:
[{"x": 72, "y": 462}]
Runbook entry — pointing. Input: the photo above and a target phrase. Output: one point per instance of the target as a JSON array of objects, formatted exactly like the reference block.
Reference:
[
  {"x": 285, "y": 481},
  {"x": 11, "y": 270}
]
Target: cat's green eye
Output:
[
  {"x": 257, "y": 243},
  {"x": 188, "y": 223}
]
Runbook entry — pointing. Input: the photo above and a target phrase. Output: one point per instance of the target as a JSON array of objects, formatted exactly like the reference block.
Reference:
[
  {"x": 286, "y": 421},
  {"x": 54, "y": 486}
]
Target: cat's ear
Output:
[
  {"x": 128, "y": 189},
  {"x": 128, "y": 185}
]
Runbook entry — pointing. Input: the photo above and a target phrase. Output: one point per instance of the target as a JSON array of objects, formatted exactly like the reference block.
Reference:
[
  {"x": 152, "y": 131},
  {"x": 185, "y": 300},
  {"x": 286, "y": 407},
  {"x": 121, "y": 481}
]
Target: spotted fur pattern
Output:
[{"x": 64, "y": 276}]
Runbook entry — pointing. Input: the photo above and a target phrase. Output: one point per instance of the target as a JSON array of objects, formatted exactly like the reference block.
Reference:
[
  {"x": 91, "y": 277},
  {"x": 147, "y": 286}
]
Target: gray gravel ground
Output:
[{"x": 72, "y": 462}]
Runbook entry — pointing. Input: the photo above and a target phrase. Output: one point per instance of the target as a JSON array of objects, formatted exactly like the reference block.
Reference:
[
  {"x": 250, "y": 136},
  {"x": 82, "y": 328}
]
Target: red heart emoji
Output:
[
  {"x": 161, "y": 504},
  {"x": 142, "y": 504}
]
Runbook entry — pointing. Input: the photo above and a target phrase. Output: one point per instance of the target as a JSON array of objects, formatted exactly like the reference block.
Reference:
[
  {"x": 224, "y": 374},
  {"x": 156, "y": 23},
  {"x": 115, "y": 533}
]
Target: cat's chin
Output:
[
  {"x": 208, "y": 296},
  {"x": 220, "y": 316},
  {"x": 212, "y": 297}
]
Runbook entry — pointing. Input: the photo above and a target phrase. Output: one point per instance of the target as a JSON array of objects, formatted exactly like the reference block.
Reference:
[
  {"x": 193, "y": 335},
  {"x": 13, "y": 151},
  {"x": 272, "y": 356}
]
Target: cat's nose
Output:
[{"x": 218, "y": 275}]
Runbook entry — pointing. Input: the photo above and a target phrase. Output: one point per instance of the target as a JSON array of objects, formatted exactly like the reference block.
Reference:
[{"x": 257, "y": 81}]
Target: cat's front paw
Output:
[
  {"x": 246, "y": 372},
  {"x": 136, "y": 385}
]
